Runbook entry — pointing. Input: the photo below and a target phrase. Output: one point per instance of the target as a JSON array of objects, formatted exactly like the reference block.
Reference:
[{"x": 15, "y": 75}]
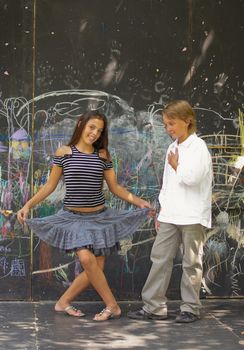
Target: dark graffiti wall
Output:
[{"x": 127, "y": 59}]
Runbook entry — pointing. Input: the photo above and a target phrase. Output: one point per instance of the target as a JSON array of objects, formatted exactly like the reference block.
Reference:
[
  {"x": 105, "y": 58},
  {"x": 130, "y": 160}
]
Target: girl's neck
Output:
[{"x": 84, "y": 148}]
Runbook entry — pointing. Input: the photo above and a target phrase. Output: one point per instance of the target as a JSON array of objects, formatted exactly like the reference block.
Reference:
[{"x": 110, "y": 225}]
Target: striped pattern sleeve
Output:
[
  {"x": 57, "y": 160},
  {"x": 108, "y": 165}
]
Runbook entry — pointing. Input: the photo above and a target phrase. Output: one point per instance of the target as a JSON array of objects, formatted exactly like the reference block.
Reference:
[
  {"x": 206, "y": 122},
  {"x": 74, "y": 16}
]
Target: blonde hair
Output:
[{"x": 181, "y": 109}]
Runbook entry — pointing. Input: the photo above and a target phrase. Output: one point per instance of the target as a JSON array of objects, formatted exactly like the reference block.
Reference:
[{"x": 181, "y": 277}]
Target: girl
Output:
[{"x": 85, "y": 225}]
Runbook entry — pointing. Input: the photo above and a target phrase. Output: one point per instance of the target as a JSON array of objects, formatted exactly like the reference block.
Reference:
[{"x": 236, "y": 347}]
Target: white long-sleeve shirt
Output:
[{"x": 186, "y": 194}]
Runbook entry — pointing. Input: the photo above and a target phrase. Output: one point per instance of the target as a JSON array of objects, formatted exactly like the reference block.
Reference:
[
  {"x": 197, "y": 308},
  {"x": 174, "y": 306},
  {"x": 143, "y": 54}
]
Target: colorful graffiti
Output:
[{"x": 137, "y": 143}]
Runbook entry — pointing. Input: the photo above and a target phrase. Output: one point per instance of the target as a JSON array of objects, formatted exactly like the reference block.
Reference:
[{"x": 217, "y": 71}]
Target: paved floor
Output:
[{"x": 35, "y": 326}]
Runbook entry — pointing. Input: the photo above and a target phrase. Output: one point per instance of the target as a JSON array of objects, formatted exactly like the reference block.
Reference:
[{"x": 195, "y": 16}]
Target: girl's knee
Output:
[{"x": 87, "y": 259}]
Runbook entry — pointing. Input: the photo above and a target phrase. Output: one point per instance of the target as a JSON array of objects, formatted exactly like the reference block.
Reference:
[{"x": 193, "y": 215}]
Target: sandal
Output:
[
  {"x": 70, "y": 310},
  {"x": 110, "y": 315}
]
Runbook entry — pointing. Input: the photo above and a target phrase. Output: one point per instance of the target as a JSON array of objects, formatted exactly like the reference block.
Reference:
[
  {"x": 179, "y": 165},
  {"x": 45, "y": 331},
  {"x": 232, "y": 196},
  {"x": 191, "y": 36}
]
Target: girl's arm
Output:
[
  {"x": 121, "y": 192},
  {"x": 44, "y": 191}
]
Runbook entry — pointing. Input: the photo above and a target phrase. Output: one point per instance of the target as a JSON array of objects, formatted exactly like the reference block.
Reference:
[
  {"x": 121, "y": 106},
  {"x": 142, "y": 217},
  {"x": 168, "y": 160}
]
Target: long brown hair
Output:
[
  {"x": 181, "y": 109},
  {"x": 102, "y": 142}
]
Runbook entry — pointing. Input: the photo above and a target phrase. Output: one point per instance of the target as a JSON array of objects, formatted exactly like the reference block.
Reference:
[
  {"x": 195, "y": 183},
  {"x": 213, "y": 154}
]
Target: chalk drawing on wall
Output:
[
  {"x": 137, "y": 143},
  {"x": 15, "y": 160}
]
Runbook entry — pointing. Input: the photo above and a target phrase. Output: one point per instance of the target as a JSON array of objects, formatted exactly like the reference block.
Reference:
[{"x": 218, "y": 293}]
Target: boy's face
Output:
[{"x": 176, "y": 128}]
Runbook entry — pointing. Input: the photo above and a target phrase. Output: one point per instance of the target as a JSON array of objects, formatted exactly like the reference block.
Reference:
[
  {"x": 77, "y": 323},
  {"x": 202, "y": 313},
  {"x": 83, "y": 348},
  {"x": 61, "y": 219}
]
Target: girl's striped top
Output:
[{"x": 83, "y": 176}]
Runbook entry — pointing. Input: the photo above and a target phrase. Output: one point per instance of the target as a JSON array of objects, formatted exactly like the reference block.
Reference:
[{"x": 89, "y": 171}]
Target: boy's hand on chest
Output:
[{"x": 173, "y": 158}]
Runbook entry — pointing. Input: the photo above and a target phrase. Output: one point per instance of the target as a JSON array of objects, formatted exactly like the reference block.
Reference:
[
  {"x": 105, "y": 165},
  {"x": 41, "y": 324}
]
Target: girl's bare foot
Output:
[
  {"x": 69, "y": 310},
  {"x": 108, "y": 314}
]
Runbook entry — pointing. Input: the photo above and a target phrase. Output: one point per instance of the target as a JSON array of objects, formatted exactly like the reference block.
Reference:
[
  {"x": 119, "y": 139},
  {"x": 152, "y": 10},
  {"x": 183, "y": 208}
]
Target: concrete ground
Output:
[{"x": 35, "y": 326}]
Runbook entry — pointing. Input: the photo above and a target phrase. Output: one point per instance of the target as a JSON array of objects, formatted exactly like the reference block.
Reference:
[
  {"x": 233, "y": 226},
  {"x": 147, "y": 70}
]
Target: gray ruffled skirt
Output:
[{"x": 99, "y": 232}]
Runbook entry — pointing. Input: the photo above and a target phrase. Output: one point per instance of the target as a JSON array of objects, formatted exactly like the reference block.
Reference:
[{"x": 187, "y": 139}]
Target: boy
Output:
[{"x": 185, "y": 200}]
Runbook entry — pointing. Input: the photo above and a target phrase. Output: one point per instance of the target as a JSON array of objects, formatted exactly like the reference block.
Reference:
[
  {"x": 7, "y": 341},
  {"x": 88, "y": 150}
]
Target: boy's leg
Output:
[
  {"x": 193, "y": 237},
  {"x": 163, "y": 253}
]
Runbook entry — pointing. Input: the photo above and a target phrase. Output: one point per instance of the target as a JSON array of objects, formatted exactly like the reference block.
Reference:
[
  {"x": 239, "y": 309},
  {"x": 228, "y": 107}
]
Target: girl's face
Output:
[
  {"x": 176, "y": 128},
  {"x": 92, "y": 131}
]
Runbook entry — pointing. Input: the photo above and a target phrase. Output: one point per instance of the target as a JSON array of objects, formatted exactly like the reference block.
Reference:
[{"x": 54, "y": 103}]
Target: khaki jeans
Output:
[{"x": 168, "y": 240}]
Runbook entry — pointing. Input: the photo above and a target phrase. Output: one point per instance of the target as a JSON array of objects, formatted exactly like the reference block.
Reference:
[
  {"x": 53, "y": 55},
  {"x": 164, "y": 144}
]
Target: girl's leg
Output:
[
  {"x": 80, "y": 283},
  {"x": 96, "y": 277}
]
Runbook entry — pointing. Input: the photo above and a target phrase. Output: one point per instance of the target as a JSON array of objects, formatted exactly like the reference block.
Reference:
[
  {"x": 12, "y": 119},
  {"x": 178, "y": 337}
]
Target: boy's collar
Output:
[{"x": 187, "y": 141}]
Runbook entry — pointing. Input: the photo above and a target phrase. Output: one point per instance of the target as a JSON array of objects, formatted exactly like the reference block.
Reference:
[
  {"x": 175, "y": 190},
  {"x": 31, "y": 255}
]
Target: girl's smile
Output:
[{"x": 92, "y": 131}]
